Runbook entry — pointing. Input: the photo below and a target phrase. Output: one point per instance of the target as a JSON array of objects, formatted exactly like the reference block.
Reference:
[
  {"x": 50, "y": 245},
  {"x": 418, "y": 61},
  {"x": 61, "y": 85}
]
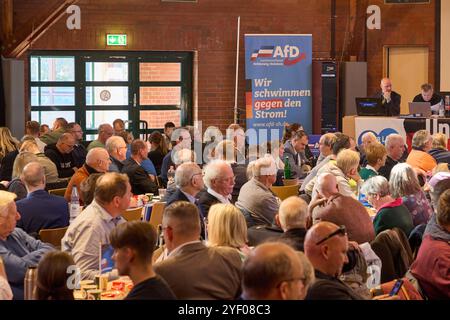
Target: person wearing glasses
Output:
[
  {"x": 189, "y": 182},
  {"x": 117, "y": 149},
  {"x": 79, "y": 150},
  {"x": 273, "y": 271},
  {"x": 97, "y": 161},
  {"x": 391, "y": 212},
  {"x": 326, "y": 246},
  {"x": 219, "y": 180},
  {"x": 61, "y": 153}
]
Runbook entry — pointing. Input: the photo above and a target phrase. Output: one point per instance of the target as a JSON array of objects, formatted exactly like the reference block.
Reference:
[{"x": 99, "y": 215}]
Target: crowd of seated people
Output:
[{"x": 224, "y": 226}]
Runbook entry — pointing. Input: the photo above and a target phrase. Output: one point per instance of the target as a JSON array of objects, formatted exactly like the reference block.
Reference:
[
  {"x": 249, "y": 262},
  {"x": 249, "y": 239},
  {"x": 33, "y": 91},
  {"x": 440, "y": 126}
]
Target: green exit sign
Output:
[{"x": 116, "y": 39}]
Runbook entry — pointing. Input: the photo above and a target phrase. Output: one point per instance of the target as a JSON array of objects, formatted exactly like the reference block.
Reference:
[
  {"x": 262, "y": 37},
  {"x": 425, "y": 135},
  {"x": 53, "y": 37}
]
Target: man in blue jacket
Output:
[
  {"x": 40, "y": 210},
  {"x": 17, "y": 249}
]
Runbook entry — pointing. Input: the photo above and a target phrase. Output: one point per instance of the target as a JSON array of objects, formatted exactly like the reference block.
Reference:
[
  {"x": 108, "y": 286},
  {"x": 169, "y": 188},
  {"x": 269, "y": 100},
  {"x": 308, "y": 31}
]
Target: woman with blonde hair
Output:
[
  {"x": 7, "y": 142},
  {"x": 227, "y": 228},
  {"x": 345, "y": 169},
  {"x": 439, "y": 149}
]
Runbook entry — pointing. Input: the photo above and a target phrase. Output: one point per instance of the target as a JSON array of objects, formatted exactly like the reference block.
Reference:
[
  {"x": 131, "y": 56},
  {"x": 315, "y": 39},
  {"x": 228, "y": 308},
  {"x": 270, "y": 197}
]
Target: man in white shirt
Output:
[
  {"x": 219, "y": 180},
  {"x": 91, "y": 229}
]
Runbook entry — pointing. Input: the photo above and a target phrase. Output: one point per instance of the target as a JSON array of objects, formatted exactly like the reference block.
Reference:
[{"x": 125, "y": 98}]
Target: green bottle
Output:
[{"x": 287, "y": 168}]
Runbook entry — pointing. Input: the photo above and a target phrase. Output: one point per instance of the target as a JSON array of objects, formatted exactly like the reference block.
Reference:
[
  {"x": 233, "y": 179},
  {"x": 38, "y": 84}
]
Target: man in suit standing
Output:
[
  {"x": 189, "y": 181},
  {"x": 40, "y": 210},
  {"x": 219, "y": 179},
  {"x": 193, "y": 270},
  {"x": 390, "y": 99},
  {"x": 140, "y": 181}
]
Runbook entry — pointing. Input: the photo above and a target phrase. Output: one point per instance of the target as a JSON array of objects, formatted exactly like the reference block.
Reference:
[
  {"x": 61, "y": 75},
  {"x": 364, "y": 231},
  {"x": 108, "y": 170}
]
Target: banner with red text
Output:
[{"x": 278, "y": 72}]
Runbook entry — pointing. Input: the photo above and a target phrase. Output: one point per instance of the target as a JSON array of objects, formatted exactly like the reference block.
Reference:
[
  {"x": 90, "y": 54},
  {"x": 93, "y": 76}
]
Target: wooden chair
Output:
[
  {"x": 58, "y": 192},
  {"x": 157, "y": 214},
  {"x": 290, "y": 182},
  {"x": 52, "y": 236},
  {"x": 132, "y": 214},
  {"x": 284, "y": 192}
]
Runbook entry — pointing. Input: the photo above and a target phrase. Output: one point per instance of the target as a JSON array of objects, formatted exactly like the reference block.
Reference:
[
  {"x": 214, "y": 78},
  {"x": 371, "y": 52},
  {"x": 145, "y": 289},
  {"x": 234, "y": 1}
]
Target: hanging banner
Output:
[{"x": 278, "y": 72}]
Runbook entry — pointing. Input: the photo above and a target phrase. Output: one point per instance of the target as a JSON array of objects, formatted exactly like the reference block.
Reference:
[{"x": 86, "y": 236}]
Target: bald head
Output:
[
  {"x": 98, "y": 159},
  {"x": 386, "y": 85},
  {"x": 105, "y": 131},
  {"x": 327, "y": 185},
  {"x": 326, "y": 246},
  {"x": 274, "y": 271},
  {"x": 292, "y": 213},
  {"x": 33, "y": 176}
]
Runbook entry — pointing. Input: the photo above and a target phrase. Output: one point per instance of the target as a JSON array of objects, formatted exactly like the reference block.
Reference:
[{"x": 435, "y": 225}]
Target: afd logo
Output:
[
  {"x": 290, "y": 54},
  {"x": 380, "y": 136}
]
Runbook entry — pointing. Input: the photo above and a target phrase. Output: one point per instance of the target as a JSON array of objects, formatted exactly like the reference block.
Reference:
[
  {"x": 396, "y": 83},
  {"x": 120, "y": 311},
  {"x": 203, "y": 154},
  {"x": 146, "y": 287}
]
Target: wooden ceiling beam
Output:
[
  {"x": 14, "y": 47},
  {"x": 7, "y": 19}
]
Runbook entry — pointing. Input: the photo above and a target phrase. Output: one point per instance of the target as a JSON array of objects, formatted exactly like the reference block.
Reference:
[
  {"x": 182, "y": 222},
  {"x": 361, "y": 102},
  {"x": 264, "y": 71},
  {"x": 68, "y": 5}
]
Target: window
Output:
[{"x": 145, "y": 89}]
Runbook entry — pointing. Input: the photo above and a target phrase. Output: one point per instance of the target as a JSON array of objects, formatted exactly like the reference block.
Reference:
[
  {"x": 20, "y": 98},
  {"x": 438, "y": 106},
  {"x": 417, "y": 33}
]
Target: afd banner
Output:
[{"x": 278, "y": 82}]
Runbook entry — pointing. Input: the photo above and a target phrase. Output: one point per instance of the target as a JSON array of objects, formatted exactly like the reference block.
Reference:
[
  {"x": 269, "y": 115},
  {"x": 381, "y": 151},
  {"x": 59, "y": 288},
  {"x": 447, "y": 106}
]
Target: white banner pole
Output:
[{"x": 237, "y": 72}]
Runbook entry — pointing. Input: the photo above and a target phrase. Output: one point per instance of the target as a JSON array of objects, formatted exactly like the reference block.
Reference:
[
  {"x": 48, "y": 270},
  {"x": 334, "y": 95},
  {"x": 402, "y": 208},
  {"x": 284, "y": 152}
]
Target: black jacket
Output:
[
  {"x": 295, "y": 237},
  {"x": 176, "y": 196},
  {"x": 156, "y": 157},
  {"x": 330, "y": 288},
  {"x": 385, "y": 170},
  {"x": 205, "y": 201},
  {"x": 139, "y": 179},
  {"x": 79, "y": 155},
  {"x": 393, "y": 107},
  {"x": 64, "y": 162},
  {"x": 7, "y": 164}
]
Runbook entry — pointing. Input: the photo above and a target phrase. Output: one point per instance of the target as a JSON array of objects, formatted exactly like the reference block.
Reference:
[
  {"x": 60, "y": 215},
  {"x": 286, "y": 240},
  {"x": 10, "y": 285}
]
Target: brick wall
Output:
[
  {"x": 209, "y": 27},
  {"x": 157, "y": 119},
  {"x": 160, "y": 96}
]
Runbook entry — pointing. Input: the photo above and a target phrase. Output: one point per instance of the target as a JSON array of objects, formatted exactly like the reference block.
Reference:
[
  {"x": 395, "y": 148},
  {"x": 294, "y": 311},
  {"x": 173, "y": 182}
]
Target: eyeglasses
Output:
[{"x": 340, "y": 231}]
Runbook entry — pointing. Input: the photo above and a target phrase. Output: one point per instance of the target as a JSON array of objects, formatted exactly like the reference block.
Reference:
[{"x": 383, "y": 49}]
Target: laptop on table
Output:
[
  {"x": 420, "y": 109},
  {"x": 370, "y": 107}
]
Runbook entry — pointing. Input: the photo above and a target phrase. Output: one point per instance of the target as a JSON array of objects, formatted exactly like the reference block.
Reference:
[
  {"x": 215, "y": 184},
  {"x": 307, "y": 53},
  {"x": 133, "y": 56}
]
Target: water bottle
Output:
[
  {"x": 287, "y": 168},
  {"x": 74, "y": 203},
  {"x": 171, "y": 175},
  {"x": 30, "y": 283},
  {"x": 441, "y": 110}
]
